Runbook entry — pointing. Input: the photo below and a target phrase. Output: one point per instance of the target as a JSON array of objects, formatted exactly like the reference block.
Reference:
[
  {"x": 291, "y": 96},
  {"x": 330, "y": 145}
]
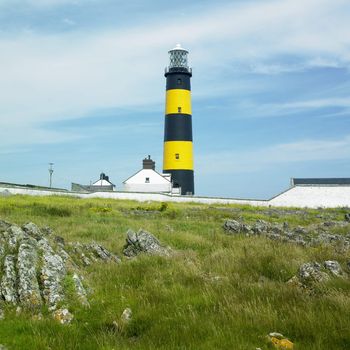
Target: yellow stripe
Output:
[
  {"x": 178, "y": 101},
  {"x": 178, "y": 155}
]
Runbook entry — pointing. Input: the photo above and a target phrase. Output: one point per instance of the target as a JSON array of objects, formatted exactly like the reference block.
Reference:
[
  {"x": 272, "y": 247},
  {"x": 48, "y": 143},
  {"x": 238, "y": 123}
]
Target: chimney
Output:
[{"x": 148, "y": 163}]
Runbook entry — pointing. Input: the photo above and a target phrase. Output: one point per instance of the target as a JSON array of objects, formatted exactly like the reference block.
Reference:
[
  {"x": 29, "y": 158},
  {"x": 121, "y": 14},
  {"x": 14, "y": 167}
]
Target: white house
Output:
[
  {"x": 103, "y": 183},
  {"x": 149, "y": 180}
]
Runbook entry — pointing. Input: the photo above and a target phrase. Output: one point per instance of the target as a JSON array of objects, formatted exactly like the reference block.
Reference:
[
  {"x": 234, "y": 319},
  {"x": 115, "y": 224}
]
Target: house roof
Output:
[
  {"x": 320, "y": 181},
  {"x": 102, "y": 182},
  {"x": 156, "y": 172}
]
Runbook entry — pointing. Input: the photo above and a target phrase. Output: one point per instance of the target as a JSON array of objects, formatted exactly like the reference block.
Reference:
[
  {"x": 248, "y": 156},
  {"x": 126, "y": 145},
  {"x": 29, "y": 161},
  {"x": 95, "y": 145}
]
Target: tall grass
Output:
[{"x": 217, "y": 292}]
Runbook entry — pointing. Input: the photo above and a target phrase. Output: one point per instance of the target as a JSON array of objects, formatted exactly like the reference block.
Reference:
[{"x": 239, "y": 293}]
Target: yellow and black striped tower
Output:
[{"x": 178, "y": 145}]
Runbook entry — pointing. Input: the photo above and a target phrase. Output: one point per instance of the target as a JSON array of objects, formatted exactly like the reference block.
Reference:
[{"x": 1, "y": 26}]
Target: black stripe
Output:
[
  {"x": 178, "y": 81},
  {"x": 182, "y": 178},
  {"x": 178, "y": 127},
  {"x": 181, "y": 70}
]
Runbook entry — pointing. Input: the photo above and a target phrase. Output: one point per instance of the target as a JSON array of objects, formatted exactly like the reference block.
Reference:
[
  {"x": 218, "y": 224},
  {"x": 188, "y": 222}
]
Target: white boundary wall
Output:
[
  {"x": 298, "y": 196},
  {"x": 313, "y": 197}
]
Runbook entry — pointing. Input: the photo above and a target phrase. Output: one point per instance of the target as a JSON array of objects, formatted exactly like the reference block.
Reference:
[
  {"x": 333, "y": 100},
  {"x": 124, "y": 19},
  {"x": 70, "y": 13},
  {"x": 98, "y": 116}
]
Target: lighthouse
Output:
[{"x": 178, "y": 141}]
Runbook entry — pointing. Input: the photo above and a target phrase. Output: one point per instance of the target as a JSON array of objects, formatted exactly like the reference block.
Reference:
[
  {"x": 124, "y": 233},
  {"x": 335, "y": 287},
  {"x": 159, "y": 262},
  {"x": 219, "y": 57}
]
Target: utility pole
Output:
[{"x": 50, "y": 172}]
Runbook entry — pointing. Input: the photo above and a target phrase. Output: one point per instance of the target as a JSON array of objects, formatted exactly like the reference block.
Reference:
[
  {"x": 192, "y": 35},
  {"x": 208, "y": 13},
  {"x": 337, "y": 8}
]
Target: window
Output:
[
  {"x": 179, "y": 109},
  {"x": 179, "y": 81},
  {"x": 147, "y": 180},
  {"x": 177, "y": 156}
]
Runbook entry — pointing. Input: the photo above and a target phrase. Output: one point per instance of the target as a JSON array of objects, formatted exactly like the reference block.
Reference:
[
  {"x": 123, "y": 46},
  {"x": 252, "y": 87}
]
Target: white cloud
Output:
[
  {"x": 280, "y": 109},
  {"x": 43, "y": 3},
  {"x": 53, "y": 77},
  {"x": 234, "y": 162}
]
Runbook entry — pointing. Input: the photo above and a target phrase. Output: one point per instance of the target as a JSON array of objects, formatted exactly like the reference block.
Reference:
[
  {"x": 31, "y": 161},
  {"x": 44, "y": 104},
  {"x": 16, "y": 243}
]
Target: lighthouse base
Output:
[{"x": 183, "y": 179}]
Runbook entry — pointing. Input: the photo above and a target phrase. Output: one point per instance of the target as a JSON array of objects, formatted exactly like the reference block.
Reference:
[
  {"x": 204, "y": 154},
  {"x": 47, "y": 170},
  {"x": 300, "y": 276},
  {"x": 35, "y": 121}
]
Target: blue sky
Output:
[{"x": 82, "y": 86}]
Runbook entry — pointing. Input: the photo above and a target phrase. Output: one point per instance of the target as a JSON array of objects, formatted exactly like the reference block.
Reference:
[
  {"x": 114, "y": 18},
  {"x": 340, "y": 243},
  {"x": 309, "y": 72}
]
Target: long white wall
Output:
[
  {"x": 313, "y": 197},
  {"x": 298, "y": 196}
]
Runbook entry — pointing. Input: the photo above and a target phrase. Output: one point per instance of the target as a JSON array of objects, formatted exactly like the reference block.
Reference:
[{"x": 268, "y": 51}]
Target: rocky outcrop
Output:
[
  {"x": 333, "y": 267},
  {"x": 52, "y": 274},
  {"x": 86, "y": 254},
  {"x": 9, "y": 280},
  {"x": 144, "y": 242},
  {"x": 312, "y": 273},
  {"x": 27, "y": 261},
  {"x": 81, "y": 292},
  {"x": 35, "y": 265},
  {"x": 306, "y": 236},
  {"x": 63, "y": 316}
]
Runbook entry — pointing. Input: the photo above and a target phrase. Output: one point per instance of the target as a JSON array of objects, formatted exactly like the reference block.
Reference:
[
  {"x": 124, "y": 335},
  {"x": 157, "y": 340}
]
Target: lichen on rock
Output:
[
  {"x": 144, "y": 242},
  {"x": 35, "y": 264},
  {"x": 63, "y": 316},
  {"x": 9, "y": 280},
  {"x": 28, "y": 286}
]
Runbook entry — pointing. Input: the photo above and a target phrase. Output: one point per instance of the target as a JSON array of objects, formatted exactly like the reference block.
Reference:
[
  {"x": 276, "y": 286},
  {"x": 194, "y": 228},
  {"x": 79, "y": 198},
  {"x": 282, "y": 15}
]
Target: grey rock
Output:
[
  {"x": 274, "y": 236},
  {"x": 63, "y": 254},
  {"x": 81, "y": 292},
  {"x": 4, "y": 225},
  {"x": 2, "y": 248},
  {"x": 63, "y": 316},
  {"x": 9, "y": 280},
  {"x": 334, "y": 267},
  {"x": 28, "y": 287},
  {"x": 144, "y": 242},
  {"x": 235, "y": 227},
  {"x": 276, "y": 335},
  {"x": 126, "y": 315},
  {"x": 232, "y": 226},
  {"x": 300, "y": 230},
  {"x": 44, "y": 245},
  {"x": 278, "y": 228},
  {"x": 86, "y": 261},
  {"x": 246, "y": 229},
  {"x": 339, "y": 241},
  {"x": 59, "y": 240},
  {"x": 102, "y": 252},
  {"x": 46, "y": 231},
  {"x": 78, "y": 251},
  {"x": 261, "y": 227},
  {"x": 311, "y": 272},
  {"x": 329, "y": 224},
  {"x": 347, "y": 217},
  {"x": 15, "y": 235},
  {"x": 295, "y": 281},
  {"x": 314, "y": 235},
  {"x": 28, "y": 255},
  {"x": 298, "y": 240},
  {"x": 52, "y": 274},
  {"x": 32, "y": 230}
]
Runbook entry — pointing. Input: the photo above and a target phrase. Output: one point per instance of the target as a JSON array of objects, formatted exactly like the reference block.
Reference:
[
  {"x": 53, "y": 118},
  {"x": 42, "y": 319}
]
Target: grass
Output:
[{"x": 217, "y": 292}]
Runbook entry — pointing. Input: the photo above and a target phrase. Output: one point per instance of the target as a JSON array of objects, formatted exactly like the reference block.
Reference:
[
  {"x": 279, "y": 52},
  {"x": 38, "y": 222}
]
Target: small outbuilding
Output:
[
  {"x": 149, "y": 180},
  {"x": 101, "y": 185}
]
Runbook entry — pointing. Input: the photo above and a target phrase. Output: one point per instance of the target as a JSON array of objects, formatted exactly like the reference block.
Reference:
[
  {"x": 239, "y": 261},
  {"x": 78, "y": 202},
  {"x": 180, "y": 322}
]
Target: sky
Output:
[{"x": 82, "y": 86}]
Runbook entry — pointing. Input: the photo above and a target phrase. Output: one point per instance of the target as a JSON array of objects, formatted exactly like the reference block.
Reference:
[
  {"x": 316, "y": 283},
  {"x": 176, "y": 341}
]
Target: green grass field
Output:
[{"x": 217, "y": 292}]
